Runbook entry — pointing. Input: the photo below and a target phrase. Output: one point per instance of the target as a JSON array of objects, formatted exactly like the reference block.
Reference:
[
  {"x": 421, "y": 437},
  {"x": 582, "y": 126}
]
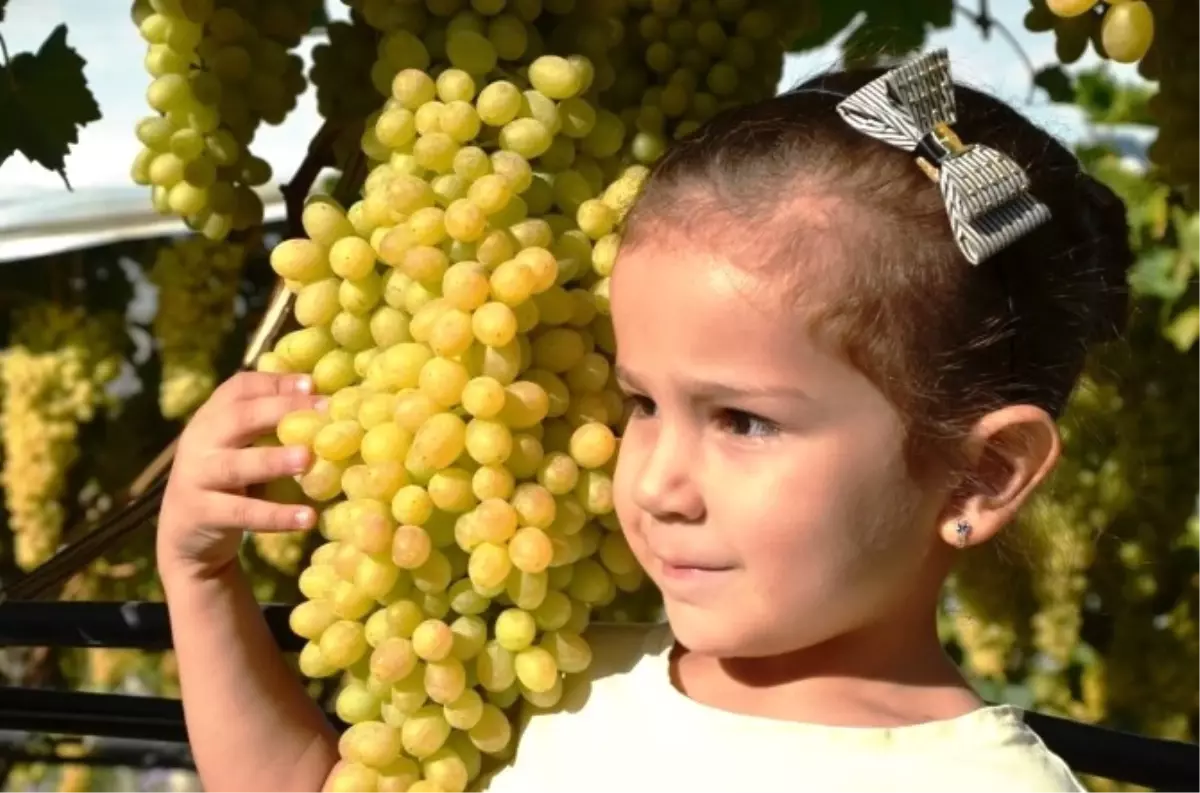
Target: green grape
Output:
[{"x": 1127, "y": 31}]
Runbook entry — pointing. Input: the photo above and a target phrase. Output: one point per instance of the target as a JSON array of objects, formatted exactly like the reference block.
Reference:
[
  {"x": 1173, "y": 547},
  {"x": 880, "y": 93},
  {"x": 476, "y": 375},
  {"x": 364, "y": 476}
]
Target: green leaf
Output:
[
  {"x": 1184, "y": 329},
  {"x": 1107, "y": 101},
  {"x": 829, "y": 18},
  {"x": 878, "y": 28},
  {"x": 1056, "y": 83},
  {"x": 1154, "y": 275},
  {"x": 1187, "y": 226},
  {"x": 46, "y": 101}
]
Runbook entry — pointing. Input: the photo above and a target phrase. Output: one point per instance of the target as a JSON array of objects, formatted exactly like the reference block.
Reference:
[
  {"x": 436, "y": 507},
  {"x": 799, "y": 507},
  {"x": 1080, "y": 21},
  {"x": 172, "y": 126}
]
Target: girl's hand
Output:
[{"x": 206, "y": 507}]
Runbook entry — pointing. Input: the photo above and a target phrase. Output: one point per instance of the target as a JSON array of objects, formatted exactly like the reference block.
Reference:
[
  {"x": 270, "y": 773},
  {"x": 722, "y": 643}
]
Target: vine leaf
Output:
[
  {"x": 1157, "y": 275},
  {"x": 1184, "y": 330},
  {"x": 44, "y": 102},
  {"x": 877, "y": 27},
  {"x": 1056, "y": 83}
]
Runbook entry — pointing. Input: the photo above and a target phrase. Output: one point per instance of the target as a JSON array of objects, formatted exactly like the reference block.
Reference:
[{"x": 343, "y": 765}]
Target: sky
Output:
[{"x": 102, "y": 32}]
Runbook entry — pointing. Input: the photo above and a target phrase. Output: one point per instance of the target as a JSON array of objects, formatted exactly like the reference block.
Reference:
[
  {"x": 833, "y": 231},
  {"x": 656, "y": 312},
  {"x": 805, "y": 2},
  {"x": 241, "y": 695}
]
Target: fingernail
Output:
[
  {"x": 304, "y": 384},
  {"x": 298, "y": 458},
  {"x": 321, "y": 404},
  {"x": 304, "y": 518}
]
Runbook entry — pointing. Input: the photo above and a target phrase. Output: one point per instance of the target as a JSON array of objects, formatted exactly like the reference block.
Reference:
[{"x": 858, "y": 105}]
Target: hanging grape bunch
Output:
[
  {"x": 220, "y": 69},
  {"x": 197, "y": 282},
  {"x": 456, "y": 315},
  {"x": 52, "y": 379}
]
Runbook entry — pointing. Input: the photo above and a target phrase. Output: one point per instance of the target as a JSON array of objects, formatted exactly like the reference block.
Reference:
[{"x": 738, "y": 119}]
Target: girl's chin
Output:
[{"x": 708, "y": 631}]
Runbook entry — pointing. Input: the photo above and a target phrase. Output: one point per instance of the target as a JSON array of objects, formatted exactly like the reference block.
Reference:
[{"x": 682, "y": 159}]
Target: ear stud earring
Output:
[{"x": 962, "y": 531}]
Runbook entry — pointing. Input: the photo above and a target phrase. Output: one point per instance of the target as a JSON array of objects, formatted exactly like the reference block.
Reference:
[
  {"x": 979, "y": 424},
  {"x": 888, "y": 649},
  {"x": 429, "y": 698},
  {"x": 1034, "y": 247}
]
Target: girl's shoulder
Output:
[{"x": 623, "y": 719}]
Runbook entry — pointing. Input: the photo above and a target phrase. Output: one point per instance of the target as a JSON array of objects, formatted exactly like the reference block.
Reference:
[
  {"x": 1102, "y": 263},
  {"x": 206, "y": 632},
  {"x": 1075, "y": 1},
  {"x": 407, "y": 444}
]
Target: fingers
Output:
[
  {"x": 252, "y": 385},
  {"x": 235, "y": 469},
  {"x": 242, "y": 422},
  {"x": 223, "y": 510}
]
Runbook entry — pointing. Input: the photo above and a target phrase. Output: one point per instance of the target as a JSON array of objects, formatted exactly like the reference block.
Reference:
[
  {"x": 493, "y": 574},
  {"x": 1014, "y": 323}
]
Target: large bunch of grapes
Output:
[
  {"x": 457, "y": 316},
  {"x": 220, "y": 68},
  {"x": 197, "y": 282},
  {"x": 52, "y": 377}
]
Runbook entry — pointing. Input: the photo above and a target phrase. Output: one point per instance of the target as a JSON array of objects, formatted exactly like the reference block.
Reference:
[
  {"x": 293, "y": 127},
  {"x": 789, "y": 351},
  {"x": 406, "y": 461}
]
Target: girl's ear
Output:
[{"x": 1010, "y": 452}]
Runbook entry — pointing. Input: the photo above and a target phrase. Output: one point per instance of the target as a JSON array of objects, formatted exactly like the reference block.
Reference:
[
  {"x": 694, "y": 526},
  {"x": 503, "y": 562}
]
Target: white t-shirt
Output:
[{"x": 625, "y": 727}]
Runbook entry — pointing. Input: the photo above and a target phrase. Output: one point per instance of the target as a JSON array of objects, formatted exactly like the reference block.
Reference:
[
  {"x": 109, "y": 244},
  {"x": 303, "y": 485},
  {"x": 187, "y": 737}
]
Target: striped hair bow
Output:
[{"x": 986, "y": 194}]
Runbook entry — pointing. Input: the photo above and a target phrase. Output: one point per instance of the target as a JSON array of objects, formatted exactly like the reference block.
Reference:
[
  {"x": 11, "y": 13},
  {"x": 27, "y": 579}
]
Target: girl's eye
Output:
[
  {"x": 642, "y": 406},
  {"x": 738, "y": 422}
]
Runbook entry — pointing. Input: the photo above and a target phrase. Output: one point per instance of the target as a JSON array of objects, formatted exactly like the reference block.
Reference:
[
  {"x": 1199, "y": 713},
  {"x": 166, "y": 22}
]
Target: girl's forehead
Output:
[{"x": 684, "y": 300}]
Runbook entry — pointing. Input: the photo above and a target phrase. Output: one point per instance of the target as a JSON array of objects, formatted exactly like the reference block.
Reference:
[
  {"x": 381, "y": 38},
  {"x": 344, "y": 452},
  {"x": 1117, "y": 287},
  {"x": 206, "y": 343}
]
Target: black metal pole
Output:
[{"x": 132, "y": 624}]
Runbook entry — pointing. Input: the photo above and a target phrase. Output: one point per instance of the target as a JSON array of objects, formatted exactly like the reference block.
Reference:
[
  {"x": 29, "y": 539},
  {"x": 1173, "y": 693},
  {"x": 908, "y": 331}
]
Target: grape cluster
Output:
[
  {"x": 670, "y": 66},
  {"x": 341, "y": 71},
  {"x": 676, "y": 63},
  {"x": 220, "y": 68},
  {"x": 197, "y": 282},
  {"x": 52, "y": 378},
  {"x": 1121, "y": 30},
  {"x": 457, "y": 315}
]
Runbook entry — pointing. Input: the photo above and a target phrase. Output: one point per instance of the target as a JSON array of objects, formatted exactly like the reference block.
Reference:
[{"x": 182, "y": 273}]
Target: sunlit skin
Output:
[{"x": 762, "y": 485}]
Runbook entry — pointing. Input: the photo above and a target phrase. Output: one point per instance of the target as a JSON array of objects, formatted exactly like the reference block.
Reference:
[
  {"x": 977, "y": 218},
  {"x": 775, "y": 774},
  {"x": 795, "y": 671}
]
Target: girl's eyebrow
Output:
[{"x": 725, "y": 390}]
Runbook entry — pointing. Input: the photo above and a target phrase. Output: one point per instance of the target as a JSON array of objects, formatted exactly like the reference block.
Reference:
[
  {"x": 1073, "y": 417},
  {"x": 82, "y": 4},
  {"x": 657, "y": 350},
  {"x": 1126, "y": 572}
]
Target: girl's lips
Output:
[{"x": 682, "y": 570}]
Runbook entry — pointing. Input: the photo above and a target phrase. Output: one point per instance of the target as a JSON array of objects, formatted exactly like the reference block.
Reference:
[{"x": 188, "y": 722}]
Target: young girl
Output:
[{"x": 842, "y": 375}]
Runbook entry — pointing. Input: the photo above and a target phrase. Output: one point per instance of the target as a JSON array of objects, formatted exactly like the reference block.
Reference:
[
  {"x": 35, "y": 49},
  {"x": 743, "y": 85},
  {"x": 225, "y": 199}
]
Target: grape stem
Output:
[
  {"x": 986, "y": 23},
  {"x": 4, "y": 51}
]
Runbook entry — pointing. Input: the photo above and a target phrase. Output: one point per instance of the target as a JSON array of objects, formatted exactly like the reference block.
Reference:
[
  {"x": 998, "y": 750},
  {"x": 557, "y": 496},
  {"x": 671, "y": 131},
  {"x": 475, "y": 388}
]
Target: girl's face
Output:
[{"x": 761, "y": 480}]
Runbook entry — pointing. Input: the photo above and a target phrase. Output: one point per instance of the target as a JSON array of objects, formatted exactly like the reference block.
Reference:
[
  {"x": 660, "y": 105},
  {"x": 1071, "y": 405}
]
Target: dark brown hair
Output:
[{"x": 944, "y": 340}]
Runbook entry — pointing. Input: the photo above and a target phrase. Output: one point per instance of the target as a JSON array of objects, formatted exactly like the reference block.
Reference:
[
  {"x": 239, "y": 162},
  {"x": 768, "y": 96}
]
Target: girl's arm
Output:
[{"x": 251, "y": 724}]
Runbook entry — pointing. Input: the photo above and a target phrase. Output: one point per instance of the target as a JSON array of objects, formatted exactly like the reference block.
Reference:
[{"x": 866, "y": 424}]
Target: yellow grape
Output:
[
  {"x": 1127, "y": 31},
  {"x": 1070, "y": 8}
]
